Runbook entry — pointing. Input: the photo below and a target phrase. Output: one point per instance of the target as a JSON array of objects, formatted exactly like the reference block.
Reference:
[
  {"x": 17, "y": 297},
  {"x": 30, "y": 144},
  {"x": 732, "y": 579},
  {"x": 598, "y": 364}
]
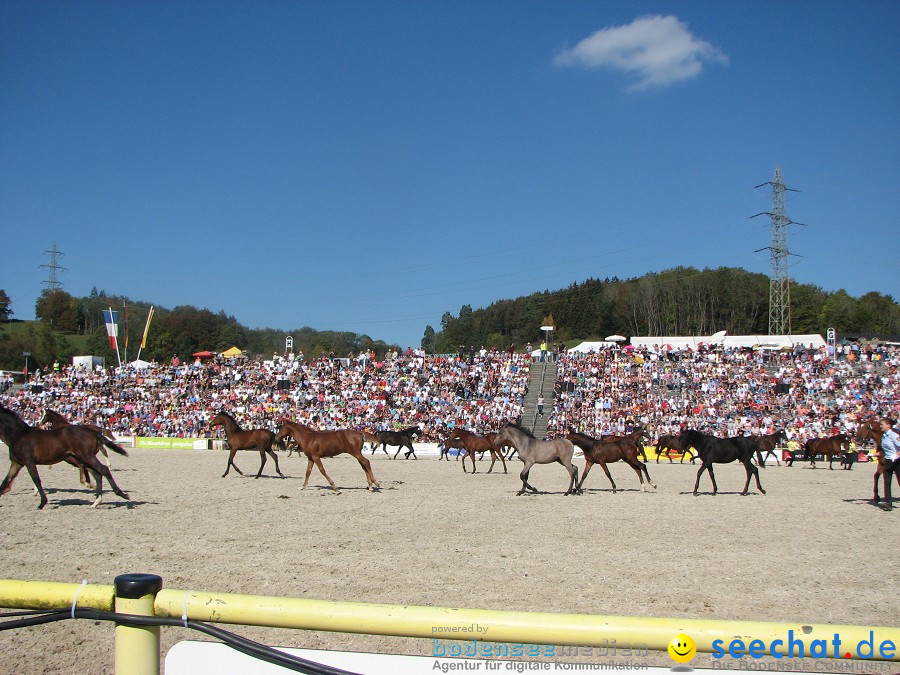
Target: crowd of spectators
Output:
[
  {"x": 730, "y": 392},
  {"x": 472, "y": 390},
  {"x": 727, "y": 392}
]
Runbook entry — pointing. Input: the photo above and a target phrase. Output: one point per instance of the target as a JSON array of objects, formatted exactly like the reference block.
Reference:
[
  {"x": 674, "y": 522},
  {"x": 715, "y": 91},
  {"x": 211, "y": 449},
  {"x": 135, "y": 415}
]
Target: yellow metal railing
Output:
[{"x": 539, "y": 628}]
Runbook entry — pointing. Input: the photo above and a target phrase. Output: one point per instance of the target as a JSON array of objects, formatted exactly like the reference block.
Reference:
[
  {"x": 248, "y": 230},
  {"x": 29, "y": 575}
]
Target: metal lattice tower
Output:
[
  {"x": 52, "y": 282},
  {"x": 779, "y": 277}
]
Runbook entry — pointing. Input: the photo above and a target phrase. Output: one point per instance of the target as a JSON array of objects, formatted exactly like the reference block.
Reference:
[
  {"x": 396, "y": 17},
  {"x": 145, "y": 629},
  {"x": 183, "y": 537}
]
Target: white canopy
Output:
[
  {"x": 812, "y": 341},
  {"x": 587, "y": 347}
]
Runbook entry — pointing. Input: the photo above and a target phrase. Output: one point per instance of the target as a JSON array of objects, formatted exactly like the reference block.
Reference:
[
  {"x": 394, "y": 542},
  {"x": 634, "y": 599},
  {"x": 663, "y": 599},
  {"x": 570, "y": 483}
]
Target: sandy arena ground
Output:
[{"x": 813, "y": 550}]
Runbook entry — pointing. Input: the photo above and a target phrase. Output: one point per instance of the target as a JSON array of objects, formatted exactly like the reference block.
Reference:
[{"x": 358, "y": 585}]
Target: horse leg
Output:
[
  {"x": 232, "y": 452},
  {"x": 399, "y": 448},
  {"x": 712, "y": 477},
  {"x": 493, "y": 460},
  {"x": 412, "y": 451},
  {"x": 876, "y": 498},
  {"x": 758, "y": 484},
  {"x": 370, "y": 477},
  {"x": 647, "y": 474},
  {"x": 502, "y": 461},
  {"x": 703, "y": 467},
  {"x": 608, "y": 475},
  {"x": 587, "y": 467},
  {"x": 272, "y": 454},
  {"x": 36, "y": 479},
  {"x": 524, "y": 476},
  {"x": 318, "y": 461},
  {"x": 15, "y": 468},
  {"x": 101, "y": 471},
  {"x": 573, "y": 477},
  {"x": 636, "y": 465},
  {"x": 309, "y": 467},
  {"x": 471, "y": 455},
  {"x": 262, "y": 461}
]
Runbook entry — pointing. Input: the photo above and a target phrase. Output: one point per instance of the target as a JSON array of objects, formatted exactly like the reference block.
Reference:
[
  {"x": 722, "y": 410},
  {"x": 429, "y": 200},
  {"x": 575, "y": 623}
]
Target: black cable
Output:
[{"x": 237, "y": 642}]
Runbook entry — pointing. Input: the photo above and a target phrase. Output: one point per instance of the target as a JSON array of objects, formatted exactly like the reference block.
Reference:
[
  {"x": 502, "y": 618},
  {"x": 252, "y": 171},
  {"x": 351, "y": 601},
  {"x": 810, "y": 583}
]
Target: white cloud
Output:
[{"x": 658, "y": 50}]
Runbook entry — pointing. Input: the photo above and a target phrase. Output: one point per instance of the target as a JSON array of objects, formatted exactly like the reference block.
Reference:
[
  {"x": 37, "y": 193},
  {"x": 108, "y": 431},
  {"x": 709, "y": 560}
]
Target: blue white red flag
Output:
[{"x": 111, "y": 317}]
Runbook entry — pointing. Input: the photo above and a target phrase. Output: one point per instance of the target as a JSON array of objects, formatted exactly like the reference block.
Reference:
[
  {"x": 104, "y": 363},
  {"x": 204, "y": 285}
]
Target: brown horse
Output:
[
  {"x": 767, "y": 444},
  {"x": 670, "y": 442},
  {"x": 870, "y": 430},
  {"x": 245, "y": 439},
  {"x": 55, "y": 420},
  {"x": 319, "y": 444},
  {"x": 472, "y": 443},
  {"x": 637, "y": 437},
  {"x": 29, "y": 446},
  {"x": 828, "y": 447},
  {"x": 598, "y": 451}
]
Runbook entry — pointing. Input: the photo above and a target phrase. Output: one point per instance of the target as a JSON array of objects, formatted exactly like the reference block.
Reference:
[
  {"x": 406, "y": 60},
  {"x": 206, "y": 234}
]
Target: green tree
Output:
[
  {"x": 5, "y": 306},
  {"x": 58, "y": 309},
  {"x": 428, "y": 340}
]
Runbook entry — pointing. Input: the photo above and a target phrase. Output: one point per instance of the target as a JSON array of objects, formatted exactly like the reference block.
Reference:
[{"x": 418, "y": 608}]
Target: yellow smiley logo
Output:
[{"x": 682, "y": 648}]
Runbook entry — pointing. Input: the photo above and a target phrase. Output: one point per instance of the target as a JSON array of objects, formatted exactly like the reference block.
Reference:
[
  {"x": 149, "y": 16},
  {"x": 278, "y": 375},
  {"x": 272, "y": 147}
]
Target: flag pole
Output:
[
  {"x": 146, "y": 330},
  {"x": 115, "y": 329},
  {"x": 125, "y": 328}
]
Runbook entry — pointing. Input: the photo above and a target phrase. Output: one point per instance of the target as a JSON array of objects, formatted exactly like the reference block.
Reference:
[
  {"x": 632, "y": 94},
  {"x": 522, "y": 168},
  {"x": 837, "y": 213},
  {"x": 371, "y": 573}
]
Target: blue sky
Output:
[{"x": 367, "y": 166}]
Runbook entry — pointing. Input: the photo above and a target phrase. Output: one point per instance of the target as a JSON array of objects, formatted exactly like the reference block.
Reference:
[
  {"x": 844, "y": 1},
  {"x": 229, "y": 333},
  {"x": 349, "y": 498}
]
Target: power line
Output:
[
  {"x": 779, "y": 277},
  {"x": 52, "y": 282}
]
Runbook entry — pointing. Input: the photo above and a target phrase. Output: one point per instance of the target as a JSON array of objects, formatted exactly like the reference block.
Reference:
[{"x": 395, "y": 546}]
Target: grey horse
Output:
[{"x": 533, "y": 451}]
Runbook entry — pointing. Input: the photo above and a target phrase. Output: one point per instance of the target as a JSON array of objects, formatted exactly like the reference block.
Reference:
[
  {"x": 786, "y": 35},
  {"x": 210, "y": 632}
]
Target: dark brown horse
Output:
[
  {"x": 402, "y": 439},
  {"x": 715, "y": 450},
  {"x": 598, "y": 451},
  {"x": 828, "y": 447},
  {"x": 870, "y": 430},
  {"x": 245, "y": 439},
  {"x": 472, "y": 443},
  {"x": 671, "y": 442},
  {"x": 55, "y": 420},
  {"x": 319, "y": 444},
  {"x": 29, "y": 446}
]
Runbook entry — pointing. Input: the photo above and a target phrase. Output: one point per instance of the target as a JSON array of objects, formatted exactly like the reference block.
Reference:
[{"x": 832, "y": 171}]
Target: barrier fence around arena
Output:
[{"x": 137, "y": 648}]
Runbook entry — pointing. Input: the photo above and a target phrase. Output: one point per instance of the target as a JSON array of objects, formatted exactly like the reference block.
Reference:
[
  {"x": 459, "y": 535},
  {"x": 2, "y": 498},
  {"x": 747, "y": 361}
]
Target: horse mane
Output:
[
  {"x": 231, "y": 417},
  {"x": 10, "y": 424},
  {"x": 572, "y": 432},
  {"x": 522, "y": 429}
]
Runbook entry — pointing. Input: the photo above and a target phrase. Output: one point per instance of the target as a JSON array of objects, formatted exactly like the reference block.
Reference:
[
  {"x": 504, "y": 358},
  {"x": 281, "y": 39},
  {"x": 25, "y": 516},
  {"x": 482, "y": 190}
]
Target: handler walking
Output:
[{"x": 890, "y": 444}]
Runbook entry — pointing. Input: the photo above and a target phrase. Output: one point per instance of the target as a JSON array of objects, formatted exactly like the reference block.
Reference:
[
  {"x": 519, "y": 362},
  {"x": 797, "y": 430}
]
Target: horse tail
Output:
[
  {"x": 279, "y": 445},
  {"x": 115, "y": 447}
]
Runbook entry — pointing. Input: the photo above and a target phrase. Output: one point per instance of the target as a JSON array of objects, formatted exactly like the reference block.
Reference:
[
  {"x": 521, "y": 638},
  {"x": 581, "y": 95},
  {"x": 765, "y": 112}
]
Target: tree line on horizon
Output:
[{"x": 678, "y": 301}]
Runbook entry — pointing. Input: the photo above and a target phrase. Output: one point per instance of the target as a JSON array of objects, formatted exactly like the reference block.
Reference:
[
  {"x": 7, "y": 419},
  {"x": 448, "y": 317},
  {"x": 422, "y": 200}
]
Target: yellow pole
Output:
[
  {"x": 137, "y": 647},
  {"x": 141, "y": 646},
  {"x": 501, "y": 626},
  {"x": 17, "y": 594}
]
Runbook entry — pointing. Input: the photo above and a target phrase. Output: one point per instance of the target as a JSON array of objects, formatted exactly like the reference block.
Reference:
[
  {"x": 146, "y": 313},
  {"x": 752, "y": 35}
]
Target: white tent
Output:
[
  {"x": 139, "y": 364},
  {"x": 587, "y": 347},
  {"x": 813, "y": 341}
]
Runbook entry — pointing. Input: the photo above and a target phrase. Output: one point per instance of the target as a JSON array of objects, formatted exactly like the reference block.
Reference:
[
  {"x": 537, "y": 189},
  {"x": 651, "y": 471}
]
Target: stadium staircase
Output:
[{"x": 542, "y": 382}]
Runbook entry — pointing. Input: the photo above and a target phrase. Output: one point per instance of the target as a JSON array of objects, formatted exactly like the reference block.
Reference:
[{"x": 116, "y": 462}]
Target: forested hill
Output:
[
  {"x": 678, "y": 301},
  {"x": 69, "y": 325}
]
